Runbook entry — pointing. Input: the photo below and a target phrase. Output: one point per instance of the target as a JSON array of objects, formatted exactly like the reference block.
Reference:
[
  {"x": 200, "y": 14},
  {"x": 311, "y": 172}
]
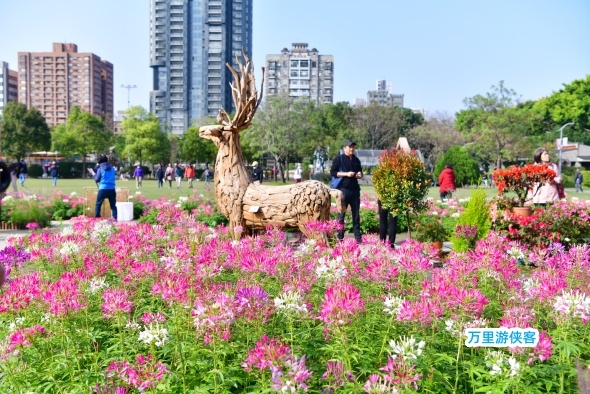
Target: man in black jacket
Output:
[
  {"x": 348, "y": 167},
  {"x": 257, "y": 173}
]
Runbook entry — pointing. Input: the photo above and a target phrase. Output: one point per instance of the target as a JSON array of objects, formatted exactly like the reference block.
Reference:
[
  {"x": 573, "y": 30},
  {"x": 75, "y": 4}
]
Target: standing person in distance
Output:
[
  {"x": 257, "y": 173},
  {"x": 387, "y": 225},
  {"x": 207, "y": 174},
  {"x": 578, "y": 180},
  {"x": 160, "y": 176},
  {"x": 178, "y": 173},
  {"x": 446, "y": 180},
  {"x": 169, "y": 175},
  {"x": 105, "y": 179},
  {"x": 138, "y": 175},
  {"x": 189, "y": 173},
  {"x": 298, "y": 173},
  {"x": 547, "y": 192},
  {"x": 54, "y": 173},
  {"x": 23, "y": 171},
  {"x": 348, "y": 167}
]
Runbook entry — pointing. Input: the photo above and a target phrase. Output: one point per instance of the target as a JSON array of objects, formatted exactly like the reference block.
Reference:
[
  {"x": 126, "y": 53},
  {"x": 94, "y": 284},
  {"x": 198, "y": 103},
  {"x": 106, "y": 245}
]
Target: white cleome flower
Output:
[
  {"x": 69, "y": 248},
  {"x": 407, "y": 348},
  {"x": 573, "y": 303},
  {"x": 331, "y": 269},
  {"x": 67, "y": 231},
  {"x": 290, "y": 302},
  {"x": 97, "y": 284},
  {"x": 154, "y": 333},
  {"x": 102, "y": 229},
  {"x": 393, "y": 305}
]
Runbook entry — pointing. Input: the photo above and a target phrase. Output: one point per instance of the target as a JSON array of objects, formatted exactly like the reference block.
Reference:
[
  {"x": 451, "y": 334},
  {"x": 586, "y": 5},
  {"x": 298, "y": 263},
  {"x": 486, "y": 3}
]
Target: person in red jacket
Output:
[{"x": 446, "y": 180}]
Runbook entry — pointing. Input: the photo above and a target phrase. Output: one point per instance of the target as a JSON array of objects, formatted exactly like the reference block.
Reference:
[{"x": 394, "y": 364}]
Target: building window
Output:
[{"x": 294, "y": 63}]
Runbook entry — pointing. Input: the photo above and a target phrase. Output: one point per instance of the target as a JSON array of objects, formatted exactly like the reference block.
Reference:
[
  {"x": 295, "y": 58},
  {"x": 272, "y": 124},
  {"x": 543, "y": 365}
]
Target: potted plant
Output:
[
  {"x": 522, "y": 180},
  {"x": 430, "y": 228}
]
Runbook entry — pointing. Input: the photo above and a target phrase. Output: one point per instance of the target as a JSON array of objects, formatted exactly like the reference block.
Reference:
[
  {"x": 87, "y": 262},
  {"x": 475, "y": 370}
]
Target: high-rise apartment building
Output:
[
  {"x": 383, "y": 96},
  {"x": 300, "y": 72},
  {"x": 56, "y": 81},
  {"x": 190, "y": 43},
  {"x": 8, "y": 84}
]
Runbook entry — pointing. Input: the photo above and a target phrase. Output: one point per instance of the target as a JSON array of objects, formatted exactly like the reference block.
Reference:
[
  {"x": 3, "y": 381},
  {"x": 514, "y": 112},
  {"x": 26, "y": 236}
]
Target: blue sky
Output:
[{"x": 435, "y": 52}]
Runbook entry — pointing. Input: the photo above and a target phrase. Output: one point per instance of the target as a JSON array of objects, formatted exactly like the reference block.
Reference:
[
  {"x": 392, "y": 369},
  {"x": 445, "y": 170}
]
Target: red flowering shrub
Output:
[
  {"x": 522, "y": 179},
  {"x": 565, "y": 222}
]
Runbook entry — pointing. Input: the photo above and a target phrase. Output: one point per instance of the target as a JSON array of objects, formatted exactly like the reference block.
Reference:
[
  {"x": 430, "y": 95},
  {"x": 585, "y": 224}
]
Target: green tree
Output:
[
  {"x": 23, "y": 130},
  {"x": 196, "y": 149},
  {"x": 144, "y": 139},
  {"x": 465, "y": 168},
  {"x": 83, "y": 133},
  {"x": 497, "y": 123},
  {"x": 285, "y": 128},
  {"x": 377, "y": 127},
  {"x": 570, "y": 104},
  {"x": 436, "y": 136}
]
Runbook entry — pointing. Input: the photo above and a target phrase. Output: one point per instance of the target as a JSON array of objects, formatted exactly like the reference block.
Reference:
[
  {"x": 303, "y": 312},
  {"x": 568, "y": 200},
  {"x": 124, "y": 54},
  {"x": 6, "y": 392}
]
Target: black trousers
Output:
[
  {"x": 387, "y": 224},
  {"x": 352, "y": 198}
]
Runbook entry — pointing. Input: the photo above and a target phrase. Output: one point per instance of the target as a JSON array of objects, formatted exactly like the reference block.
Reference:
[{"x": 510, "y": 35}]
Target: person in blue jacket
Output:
[
  {"x": 54, "y": 172},
  {"x": 105, "y": 179}
]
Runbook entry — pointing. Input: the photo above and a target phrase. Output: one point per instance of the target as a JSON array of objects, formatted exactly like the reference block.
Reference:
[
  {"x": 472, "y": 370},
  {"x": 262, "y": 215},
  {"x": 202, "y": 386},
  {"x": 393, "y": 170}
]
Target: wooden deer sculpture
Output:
[{"x": 246, "y": 205}]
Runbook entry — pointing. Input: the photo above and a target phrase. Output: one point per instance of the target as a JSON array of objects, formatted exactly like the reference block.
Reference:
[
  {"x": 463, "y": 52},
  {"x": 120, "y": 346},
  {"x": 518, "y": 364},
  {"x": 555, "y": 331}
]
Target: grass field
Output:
[{"x": 150, "y": 189}]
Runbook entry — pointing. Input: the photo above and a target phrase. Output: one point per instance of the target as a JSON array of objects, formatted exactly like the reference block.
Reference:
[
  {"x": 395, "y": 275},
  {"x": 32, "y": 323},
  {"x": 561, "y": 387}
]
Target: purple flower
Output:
[{"x": 13, "y": 257}]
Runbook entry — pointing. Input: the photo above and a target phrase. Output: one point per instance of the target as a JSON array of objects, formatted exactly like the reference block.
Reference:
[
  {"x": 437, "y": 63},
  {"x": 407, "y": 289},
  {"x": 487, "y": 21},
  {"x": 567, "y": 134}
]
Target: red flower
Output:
[{"x": 522, "y": 179}]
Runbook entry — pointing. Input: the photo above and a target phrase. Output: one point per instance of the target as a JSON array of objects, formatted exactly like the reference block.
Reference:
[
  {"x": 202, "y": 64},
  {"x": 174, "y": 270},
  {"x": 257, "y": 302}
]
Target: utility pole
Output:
[{"x": 128, "y": 87}]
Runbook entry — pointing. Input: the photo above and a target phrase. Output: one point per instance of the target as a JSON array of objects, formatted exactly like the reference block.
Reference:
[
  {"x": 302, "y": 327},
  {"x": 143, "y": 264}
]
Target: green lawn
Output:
[{"x": 150, "y": 189}]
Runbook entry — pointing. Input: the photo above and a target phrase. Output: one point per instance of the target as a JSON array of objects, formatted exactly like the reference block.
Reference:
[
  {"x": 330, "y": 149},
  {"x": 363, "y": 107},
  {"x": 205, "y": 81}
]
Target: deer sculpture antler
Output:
[{"x": 244, "y": 94}]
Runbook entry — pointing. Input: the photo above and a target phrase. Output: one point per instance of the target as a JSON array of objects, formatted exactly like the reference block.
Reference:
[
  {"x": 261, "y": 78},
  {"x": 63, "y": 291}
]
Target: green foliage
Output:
[
  {"x": 21, "y": 212},
  {"x": 369, "y": 221},
  {"x": 82, "y": 134},
  {"x": 150, "y": 217},
  {"x": 212, "y": 219},
  {"x": 465, "y": 168},
  {"x": 477, "y": 214},
  {"x": 570, "y": 104},
  {"x": 62, "y": 210},
  {"x": 144, "y": 139},
  {"x": 431, "y": 228},
  {"x": 35, "y": 171},
  {"x": 400, "y": 182},
  {"x": 497, "y": 123},
  {"x": 138, "y": 209},
  {"x": 194, "y": 149},
  {"x": 23, "y": 130}
]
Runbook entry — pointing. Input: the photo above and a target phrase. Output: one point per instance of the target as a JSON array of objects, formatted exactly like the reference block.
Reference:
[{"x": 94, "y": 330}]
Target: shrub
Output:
[
  {"x": 369, "y": 221},
  {"x": 24, "y": 211},
  {"x": 62, "y": 210},
  {"x": 465, "y": 168},
  {"x": 476, "y": 214},
  {"x": 35, "y": 171},
  {"x": 430, "y": 228}
]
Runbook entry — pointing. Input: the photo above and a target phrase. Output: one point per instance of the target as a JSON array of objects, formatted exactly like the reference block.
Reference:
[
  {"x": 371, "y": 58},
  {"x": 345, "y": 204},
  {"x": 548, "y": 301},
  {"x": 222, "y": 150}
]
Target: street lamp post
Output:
[
  {"x": 128, "y": 87},
  {"x": 561, "y": 142}
]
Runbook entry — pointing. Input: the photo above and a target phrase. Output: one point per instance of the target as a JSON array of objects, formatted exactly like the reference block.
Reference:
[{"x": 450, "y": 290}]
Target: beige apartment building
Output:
[
  {"x": 56, "y": 81},
  {"x": 300, "y": 72}
]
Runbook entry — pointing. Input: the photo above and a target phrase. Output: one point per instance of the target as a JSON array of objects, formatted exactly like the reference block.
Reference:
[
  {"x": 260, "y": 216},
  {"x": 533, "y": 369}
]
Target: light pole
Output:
[
  {"x": 561, "y": 142},
  {"x": 128, "y": 87}
]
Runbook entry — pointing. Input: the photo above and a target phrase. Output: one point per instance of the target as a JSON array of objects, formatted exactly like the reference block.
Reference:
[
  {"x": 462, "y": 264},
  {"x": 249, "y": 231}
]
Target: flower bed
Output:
[{"x": 179, "y": 307}]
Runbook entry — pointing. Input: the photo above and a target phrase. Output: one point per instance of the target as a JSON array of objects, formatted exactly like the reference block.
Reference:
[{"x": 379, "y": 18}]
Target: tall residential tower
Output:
[
  {"x": 53, "y": 82},
  {"x": 190, "y": 42},
  {"x": 301, "y": 72},
  {"x": 8, "y": 85}
]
